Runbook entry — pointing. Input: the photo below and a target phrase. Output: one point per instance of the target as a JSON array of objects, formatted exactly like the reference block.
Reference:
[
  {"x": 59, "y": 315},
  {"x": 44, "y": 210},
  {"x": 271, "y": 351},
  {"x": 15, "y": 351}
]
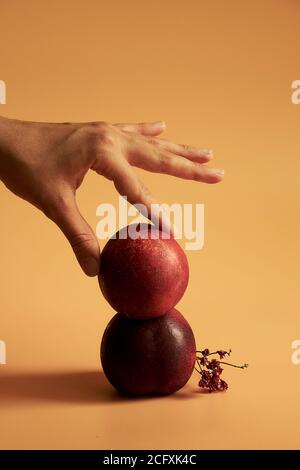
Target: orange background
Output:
[{"x": 219, "y": 73}]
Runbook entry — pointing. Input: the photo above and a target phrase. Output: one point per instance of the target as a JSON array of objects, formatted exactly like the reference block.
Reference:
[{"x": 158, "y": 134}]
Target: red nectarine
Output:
[
  {"x": 143, "y": 277},
  {"x": 154, "y": 356}
]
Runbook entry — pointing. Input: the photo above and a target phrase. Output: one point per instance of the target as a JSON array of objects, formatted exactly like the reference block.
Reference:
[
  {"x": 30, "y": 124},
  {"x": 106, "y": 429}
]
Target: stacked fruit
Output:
[{"x": 148, "y": 347}]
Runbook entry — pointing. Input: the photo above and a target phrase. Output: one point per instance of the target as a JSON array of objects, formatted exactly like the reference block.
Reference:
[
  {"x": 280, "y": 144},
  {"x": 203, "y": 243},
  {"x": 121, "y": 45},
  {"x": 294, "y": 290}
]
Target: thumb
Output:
[{"x": 80, "y": 236}]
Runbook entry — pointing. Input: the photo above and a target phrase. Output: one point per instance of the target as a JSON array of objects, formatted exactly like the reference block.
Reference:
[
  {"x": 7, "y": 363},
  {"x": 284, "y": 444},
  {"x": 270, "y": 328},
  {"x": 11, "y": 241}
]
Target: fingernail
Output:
[
  {"x": 90, "y": 266},
  {"x": 219, "y": 172},
  {"x": 207, "y": 152},
  {"x": 160, "y": 123}
]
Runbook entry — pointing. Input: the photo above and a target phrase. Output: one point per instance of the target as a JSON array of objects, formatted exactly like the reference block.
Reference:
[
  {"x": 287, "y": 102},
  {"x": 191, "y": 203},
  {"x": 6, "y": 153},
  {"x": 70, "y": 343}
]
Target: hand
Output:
[{"x": 46, "y": 163}]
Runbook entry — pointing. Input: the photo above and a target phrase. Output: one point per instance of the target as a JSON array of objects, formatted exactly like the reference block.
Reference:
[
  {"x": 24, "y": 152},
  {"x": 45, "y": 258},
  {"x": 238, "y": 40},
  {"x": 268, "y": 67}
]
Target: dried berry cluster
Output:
[{"x": 210, "y": 370}]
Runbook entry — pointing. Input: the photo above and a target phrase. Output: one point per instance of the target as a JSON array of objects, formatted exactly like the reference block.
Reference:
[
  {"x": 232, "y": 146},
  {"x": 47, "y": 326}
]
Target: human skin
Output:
[{"x": 45, "y": 163}]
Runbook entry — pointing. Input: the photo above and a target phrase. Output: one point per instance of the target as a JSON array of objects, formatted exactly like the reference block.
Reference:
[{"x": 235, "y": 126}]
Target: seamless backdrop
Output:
[{"x": 219, "y": 73}]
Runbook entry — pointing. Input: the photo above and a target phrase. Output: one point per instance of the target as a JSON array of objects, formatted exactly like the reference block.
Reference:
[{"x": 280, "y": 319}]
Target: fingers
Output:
[
  {"x": 162, "y": 156},
  {"x": 161, "y": 161},
  {"x": 128, "y": 184},
  {"x": 196, "y": 154},
  {"x": 144, "y": 128},
  {"x": 79, "y": 234}
]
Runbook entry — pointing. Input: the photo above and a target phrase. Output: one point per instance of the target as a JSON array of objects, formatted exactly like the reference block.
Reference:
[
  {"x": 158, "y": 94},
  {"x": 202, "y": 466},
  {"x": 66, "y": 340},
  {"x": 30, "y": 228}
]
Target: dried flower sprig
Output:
[{"x": 210, "y": 370}]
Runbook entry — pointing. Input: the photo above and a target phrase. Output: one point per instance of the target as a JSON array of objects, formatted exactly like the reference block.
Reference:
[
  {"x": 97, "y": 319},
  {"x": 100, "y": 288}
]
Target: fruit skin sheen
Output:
[
  {"x": 150, "y": 357},
  {"x": 143, "y": 277}
]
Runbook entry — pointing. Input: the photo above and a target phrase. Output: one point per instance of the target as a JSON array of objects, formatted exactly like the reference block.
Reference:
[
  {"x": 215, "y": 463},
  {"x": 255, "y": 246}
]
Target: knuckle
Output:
[
  {"x": 197, "y": 174},
  {"x": 79, "y": 241},
  {"x": 98, "y": 125},
  {"x": 94, "y": 142},
  {"x": 152, "y": 140},
  {"x": 137, "y": 194},
  {"x": 164, "y": 163},
  {"x": 145, "y": 192},
  {"x": 107, "y": 137},
  {"x": 185, "y": 147},
  {"x": 101, "y": 135}
]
